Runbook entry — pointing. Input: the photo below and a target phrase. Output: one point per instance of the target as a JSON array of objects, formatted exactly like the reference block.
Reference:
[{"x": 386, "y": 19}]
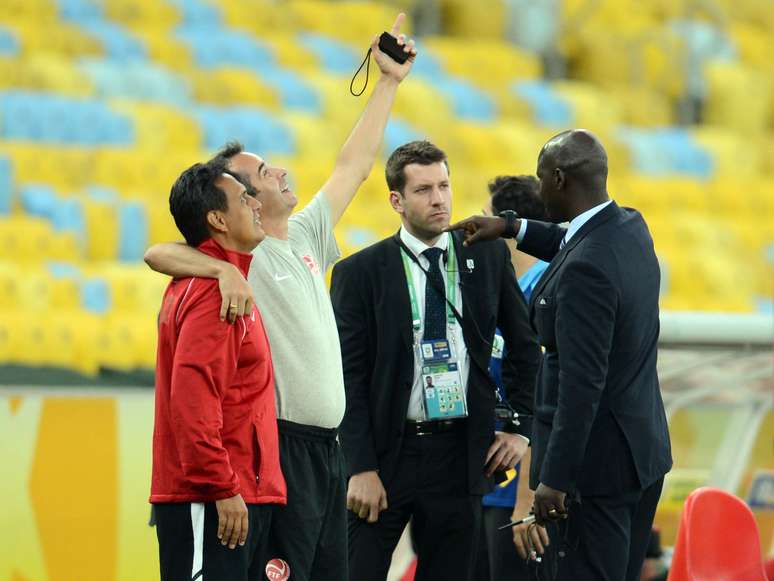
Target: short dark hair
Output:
[
  {"x": 421, "y": 152},
  {"x": 193, "y": 195},
  {"x": 229, "y": 150},
  {"x": 224, "y": 156},
  {"x": 518, "y": 193}
]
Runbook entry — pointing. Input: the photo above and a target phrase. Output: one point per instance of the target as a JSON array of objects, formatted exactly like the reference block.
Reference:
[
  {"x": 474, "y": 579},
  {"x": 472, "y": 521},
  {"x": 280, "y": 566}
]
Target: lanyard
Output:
[{"x": 451, "y": 286}]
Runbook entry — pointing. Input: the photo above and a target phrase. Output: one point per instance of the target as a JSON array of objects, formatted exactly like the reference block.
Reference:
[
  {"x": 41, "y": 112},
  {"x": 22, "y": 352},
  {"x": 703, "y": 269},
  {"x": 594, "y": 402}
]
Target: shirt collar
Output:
[
  {"x": 417, "y": 246},
  {"x": 579, "y": 220}
]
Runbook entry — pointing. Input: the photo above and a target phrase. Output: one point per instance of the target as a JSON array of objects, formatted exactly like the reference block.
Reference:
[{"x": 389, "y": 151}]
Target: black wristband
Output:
[{"x": 510, "y": 218}]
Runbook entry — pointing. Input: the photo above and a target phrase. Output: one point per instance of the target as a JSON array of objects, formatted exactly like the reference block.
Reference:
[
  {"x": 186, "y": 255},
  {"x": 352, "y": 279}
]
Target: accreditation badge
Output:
[{"x": 442, "y": 388}]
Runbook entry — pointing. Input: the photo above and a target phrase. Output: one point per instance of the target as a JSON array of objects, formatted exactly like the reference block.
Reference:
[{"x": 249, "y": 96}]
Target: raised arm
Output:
[
  {"x": 359, "y": 152},
  {"x": 179, "y": 260}
]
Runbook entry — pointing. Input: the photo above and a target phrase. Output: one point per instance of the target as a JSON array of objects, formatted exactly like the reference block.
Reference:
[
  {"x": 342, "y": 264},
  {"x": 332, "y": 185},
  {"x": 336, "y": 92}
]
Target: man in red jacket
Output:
[{"x": 216, "y": 471}]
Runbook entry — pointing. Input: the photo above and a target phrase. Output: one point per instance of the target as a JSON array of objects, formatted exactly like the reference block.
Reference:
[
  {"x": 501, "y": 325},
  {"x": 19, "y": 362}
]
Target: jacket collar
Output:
[
  {"x": 241, "y": 260},
  {"x": 596, "y": 220}
]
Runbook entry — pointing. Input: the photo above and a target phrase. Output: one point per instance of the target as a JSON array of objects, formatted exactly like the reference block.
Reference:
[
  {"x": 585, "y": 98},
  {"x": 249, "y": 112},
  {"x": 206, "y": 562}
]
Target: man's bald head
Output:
[
  {"x": 572, "y": 168},
  {"x": 578, "y": 153}
]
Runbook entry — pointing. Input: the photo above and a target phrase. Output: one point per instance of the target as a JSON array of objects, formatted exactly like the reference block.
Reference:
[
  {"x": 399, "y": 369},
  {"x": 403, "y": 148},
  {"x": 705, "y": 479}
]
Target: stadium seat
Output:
[
  {"x": 717, "y": 539},
  {"x": 233, "y": 86},
  {"x": 6, "y": 185},
  {"x": 335, "y": 56}
]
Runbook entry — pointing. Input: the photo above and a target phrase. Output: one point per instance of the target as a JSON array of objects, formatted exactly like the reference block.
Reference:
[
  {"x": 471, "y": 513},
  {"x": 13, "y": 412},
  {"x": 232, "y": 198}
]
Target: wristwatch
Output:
[{"x": 510, "y": 218}]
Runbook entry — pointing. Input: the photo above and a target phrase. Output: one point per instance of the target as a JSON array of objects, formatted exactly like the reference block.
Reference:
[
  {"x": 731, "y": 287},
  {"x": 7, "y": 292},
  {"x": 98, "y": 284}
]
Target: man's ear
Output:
[
  {"x": 217, "y": 221},
  {"x": 396, "y": 201},
  {"x": 560, "y": 179}
]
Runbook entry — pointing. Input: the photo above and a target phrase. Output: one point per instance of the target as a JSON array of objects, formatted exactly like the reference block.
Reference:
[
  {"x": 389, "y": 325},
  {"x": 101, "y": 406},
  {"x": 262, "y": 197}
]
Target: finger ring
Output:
[{"x": 232, "y": 307}]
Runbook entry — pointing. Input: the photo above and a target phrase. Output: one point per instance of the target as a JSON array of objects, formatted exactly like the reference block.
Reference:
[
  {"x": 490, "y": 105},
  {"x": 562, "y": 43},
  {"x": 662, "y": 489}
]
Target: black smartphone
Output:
[{"x": 388, "y": 44}]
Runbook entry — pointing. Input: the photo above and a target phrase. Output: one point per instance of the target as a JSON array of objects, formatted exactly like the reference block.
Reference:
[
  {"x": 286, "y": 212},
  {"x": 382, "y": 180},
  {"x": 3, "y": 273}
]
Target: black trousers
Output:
[
  {"x": 605, "y": 538},
  {"x": 430, "y": 486},
  {"x": 189, "y": 548},
  {"x": 310, "y": 532}
]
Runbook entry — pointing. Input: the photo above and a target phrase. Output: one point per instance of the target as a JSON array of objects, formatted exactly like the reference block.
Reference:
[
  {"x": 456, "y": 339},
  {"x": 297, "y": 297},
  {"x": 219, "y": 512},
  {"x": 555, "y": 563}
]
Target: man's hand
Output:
[
  {"x": 505, "y": 452},
  {"x": 527, "y": 537},
  {"x": 389, "y": 67},
  {"x": 366, "y": 496},
  {"x": 481, "y": 228},
  {"x": 549, "y": 504},
  {"x": 232, "y": 521},
  {"x": 236, "y": 294}
]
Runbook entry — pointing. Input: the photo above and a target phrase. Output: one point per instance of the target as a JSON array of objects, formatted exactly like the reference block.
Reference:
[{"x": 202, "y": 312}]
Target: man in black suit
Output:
[
  {"x": 419, "y": 306},
  {"x": 600, "y": 443}
]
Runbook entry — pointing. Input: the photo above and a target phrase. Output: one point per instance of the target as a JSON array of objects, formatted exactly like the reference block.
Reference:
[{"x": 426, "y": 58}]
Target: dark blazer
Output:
[
  {"x": 373, "y": 312},
  {"x": 600, "y": 426}
]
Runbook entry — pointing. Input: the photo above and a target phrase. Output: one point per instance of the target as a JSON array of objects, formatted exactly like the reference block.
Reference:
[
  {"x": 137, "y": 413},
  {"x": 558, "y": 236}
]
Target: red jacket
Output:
[{"x": 215, "y": 432}]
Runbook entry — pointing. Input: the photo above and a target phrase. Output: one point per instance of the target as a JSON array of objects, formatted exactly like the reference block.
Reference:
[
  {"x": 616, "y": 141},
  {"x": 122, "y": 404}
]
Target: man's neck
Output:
[
  {"x": 276, "y": 228},
  {"x": 429, "y": 239},
  {"x": 585, "y": 205}
]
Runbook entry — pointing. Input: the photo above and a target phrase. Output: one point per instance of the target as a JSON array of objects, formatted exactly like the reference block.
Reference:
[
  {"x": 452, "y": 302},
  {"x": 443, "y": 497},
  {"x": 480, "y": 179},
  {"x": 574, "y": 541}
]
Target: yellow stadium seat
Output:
[
  {"x": 591, "y": 106},
  {"x": 467, "y": 19},
  {"x": 424, "y": 106},
  {"x": 488, "y": 63},
  {"x": 738, "y": 97},
  {"x": 354, "y": 22},
  {"x": 124, "y": 342},
  {"x": 138, "y": 14},
  {"x": 45, "y": 72},
  {"x": 24, "y": 239},
  {"x": 163, "y": 48},
  {"x": 64, "y": 168},
  {"x": 290, "y": 54},
  {"x": 29, "y": 10},
  {"x": 274, "y": 18},
  {"x": 161, "y": 225},
  {"x": 231, "y": 86},
  {"x": 159, "y": 126},
  {"x": 101, "y": 230},
  {"x": 58, "y": 38}
]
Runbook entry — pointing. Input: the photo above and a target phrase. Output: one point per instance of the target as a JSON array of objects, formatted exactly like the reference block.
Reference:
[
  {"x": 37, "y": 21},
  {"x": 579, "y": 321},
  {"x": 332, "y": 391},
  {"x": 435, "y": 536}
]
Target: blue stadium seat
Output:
[
  {"x": 256, "y": 129},
  {"x": 133, "y": 231},
  {"x": 6, "y": 185},
  {"x": 397, "y": 133},
  {"x": 39, "y": 200},
  {"x": 9, "y": 44},
  {"x": 666, "y": 151},
  {"x": 95, "y": 295},
  {"x": 119, "y": 43},
  {"x": 335, "y": 56},
  {"x": 198, "y": 13},
  {"x": 103, "y": 194},
  {"x": 213, "y": 48},
  {"x": 65, "y": 214},
  {"x": 548, "y": 108},
  {"x": 294, "y": 91},
  {"x": 42, "y": 117},
  {"x": 468, "y": 101},
  {"x": 80, "y": 11},
  {"x": 137, "y": 80},
  {"x": 704, "y": 42},
  {"x": 429, "y": 67}
]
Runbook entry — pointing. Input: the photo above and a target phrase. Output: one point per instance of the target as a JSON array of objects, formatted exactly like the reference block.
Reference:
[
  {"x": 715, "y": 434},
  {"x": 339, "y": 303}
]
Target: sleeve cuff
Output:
[{"x": 522, "y": 231}]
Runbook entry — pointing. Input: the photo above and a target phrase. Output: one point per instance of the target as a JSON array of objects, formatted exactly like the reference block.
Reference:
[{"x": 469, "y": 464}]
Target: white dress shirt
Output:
[
  {"x": 456, "y": 339},
  {"x": 575, "y": 224}
]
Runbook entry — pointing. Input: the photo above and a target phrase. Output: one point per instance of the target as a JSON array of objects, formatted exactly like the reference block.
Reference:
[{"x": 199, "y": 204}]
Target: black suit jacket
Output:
[
  {"x": 373, "y": 312},
  {"x": 600, "y": 426}
]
